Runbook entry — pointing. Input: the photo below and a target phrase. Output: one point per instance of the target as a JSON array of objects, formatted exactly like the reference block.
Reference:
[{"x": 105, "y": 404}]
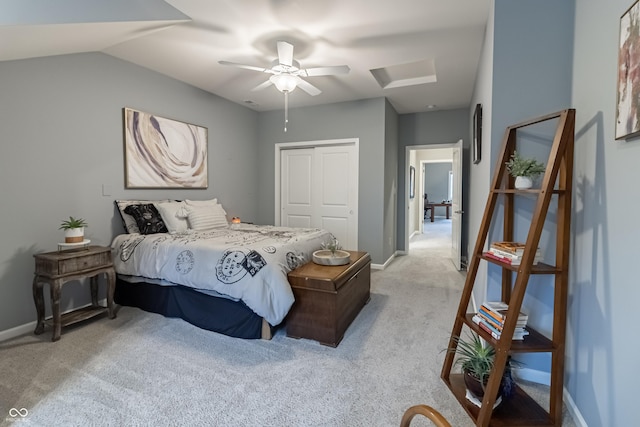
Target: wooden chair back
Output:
[{"x": 427, "y": 411}]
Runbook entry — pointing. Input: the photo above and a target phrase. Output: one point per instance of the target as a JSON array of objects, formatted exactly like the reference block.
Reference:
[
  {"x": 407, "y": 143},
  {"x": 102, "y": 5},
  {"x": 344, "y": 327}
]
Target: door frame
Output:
[
  {"x": 407, "y": 159},
  {"x": 309, "y": 144}
]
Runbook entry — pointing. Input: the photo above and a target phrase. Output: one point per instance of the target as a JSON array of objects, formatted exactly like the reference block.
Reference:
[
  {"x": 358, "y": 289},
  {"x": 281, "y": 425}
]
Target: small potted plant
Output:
[
  {"x": 331, "y": 254},
  {"x": 524, "y": 170},
  {"x": 333, "y": 245},
  {"x": 476, "y": 362},
  {"x": 73, "y": 229}
]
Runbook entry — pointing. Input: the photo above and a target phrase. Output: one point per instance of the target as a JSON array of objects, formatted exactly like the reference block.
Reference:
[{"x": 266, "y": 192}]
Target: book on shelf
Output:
[
  {"x": 515, "y": 248},
  {"x": 509, "y": 255},
  {"x": 498, "y": 310},
  {"x": 518, "y": 334},
  {"x": 508, "y": 260},
  {"x": 478, "y": 402}
]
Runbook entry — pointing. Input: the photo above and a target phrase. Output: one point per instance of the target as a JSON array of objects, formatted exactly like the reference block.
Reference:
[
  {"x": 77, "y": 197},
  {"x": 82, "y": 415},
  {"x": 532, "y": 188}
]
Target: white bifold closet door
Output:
[{"x": 319, "y": 189}]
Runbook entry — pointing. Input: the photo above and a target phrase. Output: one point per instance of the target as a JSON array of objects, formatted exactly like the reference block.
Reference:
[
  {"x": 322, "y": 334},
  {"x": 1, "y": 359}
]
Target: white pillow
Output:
[
  {"x": 174, "y": 215},
  {"x": 207, "y": 217},
  {"x": 211, "y": 202}
]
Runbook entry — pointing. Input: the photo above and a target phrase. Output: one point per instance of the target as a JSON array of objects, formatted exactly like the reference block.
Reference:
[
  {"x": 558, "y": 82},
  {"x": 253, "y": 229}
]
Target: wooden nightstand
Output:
[{"x": 57, "y": 268}]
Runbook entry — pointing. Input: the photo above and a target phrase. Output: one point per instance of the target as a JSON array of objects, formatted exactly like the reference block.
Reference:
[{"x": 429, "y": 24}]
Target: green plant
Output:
[
  {"x": 474, "y": 356},
  {"x": 332, "y": 245},
  {"x": 476, "y": 359},
  {"x": 520, "y": 166},
  {"x": 73, "y": 223}
]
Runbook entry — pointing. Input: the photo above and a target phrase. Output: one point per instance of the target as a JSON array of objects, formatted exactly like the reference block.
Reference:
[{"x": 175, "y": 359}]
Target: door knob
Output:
[{"x": 459, "y": 212}]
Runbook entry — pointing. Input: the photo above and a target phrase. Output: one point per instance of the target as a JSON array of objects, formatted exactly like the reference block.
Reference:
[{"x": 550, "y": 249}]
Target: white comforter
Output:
[{"x": 243, "y": 261}]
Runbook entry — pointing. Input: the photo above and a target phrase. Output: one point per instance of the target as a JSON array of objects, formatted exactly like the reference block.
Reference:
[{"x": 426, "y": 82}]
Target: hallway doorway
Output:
[{"x": 443, "y": 188}]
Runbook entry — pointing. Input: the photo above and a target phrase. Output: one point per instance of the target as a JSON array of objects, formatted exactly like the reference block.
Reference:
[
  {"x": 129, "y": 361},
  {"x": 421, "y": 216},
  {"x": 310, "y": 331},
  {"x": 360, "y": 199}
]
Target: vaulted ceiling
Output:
[{"x": 420, "y": 54}]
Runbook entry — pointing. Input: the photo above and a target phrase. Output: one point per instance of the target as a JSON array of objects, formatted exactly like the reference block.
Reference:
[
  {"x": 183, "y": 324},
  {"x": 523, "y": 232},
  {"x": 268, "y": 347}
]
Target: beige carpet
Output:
[{"x": 142, "y": 369}]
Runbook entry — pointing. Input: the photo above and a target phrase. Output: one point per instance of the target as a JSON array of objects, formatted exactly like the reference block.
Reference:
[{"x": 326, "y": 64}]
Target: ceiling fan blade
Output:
[
  {"x": 308, "y": 87},
  {"x": 285, "y": 53},
  {"x": 246, "y": 67},
  {"x": 262, "y": 85},
  {"x": 326, "y": 71}
]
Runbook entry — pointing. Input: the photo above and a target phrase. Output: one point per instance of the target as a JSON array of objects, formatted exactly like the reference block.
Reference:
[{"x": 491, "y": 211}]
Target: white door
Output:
[
  {"x": 297, "y": 174},
  {"x": 319, "y": 188},
  {"x": 456, "y": 207}
]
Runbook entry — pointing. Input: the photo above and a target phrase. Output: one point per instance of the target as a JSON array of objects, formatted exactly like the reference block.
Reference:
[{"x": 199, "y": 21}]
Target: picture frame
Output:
[
  {"x": 163, "y": 153},
  {"x": 628, "y": 85},
  {"x": 477, "y": 134},
  {"x": 412, "y": 182}
]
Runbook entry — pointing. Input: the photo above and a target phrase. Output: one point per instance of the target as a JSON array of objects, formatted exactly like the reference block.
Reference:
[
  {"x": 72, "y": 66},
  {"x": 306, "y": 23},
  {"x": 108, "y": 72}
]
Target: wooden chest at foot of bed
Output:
[{"x": 328, "y": 298}]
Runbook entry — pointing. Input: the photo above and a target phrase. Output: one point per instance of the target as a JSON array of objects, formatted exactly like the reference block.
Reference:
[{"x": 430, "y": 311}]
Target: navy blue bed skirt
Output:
[{"x": 208, "y": 312}]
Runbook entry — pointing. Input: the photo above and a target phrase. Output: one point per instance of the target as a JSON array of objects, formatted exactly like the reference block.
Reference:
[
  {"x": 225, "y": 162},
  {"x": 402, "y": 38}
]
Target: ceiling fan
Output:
[{"x": 287, "y": 74}]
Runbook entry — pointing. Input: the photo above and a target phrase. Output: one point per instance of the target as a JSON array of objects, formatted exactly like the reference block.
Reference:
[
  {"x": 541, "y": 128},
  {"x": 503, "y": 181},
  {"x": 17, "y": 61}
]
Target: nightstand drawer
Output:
[
  {"x": 58, "y": 268},
  {"x": 55, "y": 264}
]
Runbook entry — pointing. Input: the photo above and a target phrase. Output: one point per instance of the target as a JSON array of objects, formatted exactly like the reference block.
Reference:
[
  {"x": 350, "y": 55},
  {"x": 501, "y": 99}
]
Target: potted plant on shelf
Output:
[
  {"x": 476, "y": 362},
  {"x": 524, "y": 170},
  {"x": 73, "y": 229}
]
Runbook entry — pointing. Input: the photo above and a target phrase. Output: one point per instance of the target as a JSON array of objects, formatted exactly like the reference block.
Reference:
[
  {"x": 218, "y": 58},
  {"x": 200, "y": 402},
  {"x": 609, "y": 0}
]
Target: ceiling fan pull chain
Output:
[{"x": 286, "y": 109}]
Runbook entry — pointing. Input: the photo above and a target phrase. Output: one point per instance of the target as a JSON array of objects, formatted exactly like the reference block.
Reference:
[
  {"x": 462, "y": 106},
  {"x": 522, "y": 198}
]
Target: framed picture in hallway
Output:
[
  {"x": 628, "y": 93},
  {"x": 477, "y": 133},
  {"x": 412, "y": 182}
]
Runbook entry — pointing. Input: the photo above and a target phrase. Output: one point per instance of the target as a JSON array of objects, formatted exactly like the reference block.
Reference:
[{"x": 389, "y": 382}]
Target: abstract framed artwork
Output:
[
  {"x": 163, "y": 153},
  {"x": 477, "y": 133},
  {"x": 628, "y": 93}
]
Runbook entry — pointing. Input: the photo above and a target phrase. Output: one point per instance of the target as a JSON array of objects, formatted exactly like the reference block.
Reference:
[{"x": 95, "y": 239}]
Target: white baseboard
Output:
[
  {"x": 31, "y": 326},
  {"x": 538, "y": 377},
  {"x": 17, "y": 331},
  {"x": 386, "y": 264},
  {"x": 544, "y": 378},
  {"x": 573, "y": 409}
]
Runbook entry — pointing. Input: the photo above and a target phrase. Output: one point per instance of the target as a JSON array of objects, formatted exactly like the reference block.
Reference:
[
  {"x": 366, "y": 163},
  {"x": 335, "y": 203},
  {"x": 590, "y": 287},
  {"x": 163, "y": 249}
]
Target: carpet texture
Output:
[{"x": 142, "y": 369}]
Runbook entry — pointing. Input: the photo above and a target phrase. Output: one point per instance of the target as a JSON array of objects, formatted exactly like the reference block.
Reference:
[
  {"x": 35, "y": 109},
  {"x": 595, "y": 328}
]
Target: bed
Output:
[{"x": 227, "y": 278}]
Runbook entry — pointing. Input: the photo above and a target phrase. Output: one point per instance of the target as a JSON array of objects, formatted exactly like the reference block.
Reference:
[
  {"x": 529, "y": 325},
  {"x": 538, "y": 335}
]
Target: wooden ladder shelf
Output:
[{"x": 556, "y": 183}]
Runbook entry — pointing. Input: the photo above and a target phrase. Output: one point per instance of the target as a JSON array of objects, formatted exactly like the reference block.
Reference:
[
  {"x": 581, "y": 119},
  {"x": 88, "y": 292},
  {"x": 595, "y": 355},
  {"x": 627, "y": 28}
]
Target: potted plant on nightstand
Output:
[
  {"x": 524, "y": 170},
  {"x": 73, "y": 229}
]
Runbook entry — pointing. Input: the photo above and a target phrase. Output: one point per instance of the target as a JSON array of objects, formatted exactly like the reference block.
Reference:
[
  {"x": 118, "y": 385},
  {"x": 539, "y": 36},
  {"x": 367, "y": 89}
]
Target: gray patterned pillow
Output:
[{"x": 147, "y": 218}]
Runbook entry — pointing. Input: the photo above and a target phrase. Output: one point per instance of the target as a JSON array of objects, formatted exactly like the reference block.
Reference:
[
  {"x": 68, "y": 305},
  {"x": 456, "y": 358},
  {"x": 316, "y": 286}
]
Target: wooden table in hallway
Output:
[{"x": 433, "y": 205}]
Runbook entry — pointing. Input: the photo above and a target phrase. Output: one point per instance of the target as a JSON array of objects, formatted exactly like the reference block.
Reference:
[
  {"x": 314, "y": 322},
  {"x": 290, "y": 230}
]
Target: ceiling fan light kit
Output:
[
  {"x": 284, "y": 82},
  {"x": 286, "y": 75}
]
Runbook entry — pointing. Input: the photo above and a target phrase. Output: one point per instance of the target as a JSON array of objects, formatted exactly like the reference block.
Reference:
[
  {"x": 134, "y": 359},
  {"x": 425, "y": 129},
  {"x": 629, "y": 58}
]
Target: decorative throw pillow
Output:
[
  {"x": 211, "y": 202},
  {"x": 147, "y": 218},
  {"x": 129, "y": 221},
  {"x": 174, "y": 215},
  {"x": 207, "y": 217}
]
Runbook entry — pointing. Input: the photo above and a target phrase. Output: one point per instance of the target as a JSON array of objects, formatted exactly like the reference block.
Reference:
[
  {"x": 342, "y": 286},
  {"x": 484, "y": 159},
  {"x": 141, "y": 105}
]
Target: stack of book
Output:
[
  {"x": 491, "y": 318},
  {"x": 510, "y": 252}
]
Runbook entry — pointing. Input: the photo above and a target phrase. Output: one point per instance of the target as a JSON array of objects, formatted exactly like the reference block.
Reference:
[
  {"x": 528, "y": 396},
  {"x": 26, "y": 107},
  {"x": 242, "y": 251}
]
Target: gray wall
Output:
[
  {"x": 544, "y": 60},
  {"x": 62, "y": 140},
  {"x": 438, "y": 127},
  {"x": 359, "y": 119},
  {"x": 602, "y": 349},
  {"x": 436, "y": 182},
  {"x": 530, "y": 62},
  {"x": 390, "y": 181}
]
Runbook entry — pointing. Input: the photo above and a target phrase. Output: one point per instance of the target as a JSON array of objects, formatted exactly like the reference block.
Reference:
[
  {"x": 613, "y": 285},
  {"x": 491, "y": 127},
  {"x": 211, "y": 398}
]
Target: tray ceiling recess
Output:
[{"x": 409, "y": 74}]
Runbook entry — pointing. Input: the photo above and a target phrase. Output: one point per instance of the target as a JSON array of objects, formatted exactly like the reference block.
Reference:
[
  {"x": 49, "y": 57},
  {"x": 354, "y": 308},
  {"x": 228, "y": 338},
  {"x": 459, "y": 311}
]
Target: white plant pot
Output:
[
  {"x": 326, "y": 257},
  {"x": 74, "y": 235},
  {"x": 523, "y": 182}
]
